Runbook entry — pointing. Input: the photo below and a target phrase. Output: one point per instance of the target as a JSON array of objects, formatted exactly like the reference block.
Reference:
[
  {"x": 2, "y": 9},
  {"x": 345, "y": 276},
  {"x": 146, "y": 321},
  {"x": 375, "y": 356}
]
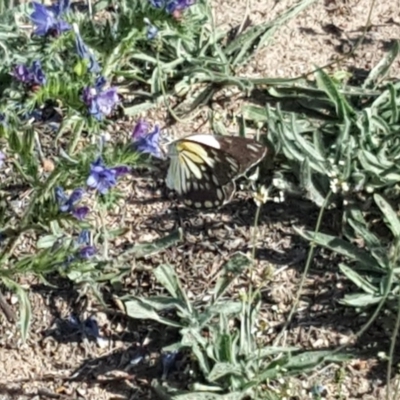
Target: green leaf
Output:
[
  {"x": 391, "y": 218},
  {"x": 339, "y": 246},
  {"x": 314, "y": 193},
  {"x": 238, "y": 263},
  {"x": 167, "y": 277},
  {"x": 221, "y": 369},
  {"x": 148, "y": 249},
  {"x": 360, "y": 300},
  {"x": 310, "y": 359},
  {"x": 25, "y": 318},
  {"x": 196, "y": 394},
  {"x": 372, "y": 242},
  {"x": 328, "y": 85},
  {"x": 137, "y": 309},
  {"x": 225, "y": 308},
  {"x": 357, "y": 279},
  {"x": 47, "y": 241},
  {"x": 381, "y": 69},
  {"x": 80, "y": 68},
  {"x": 138, "y": 108},
  {"x": 270, "y": 351},
  {"x": 393, "y": 104},
  {"x": 254, "y": 113}
]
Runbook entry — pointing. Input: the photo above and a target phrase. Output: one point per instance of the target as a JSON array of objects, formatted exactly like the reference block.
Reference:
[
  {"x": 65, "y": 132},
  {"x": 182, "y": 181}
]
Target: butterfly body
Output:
[{"x": 203, "y": 168}]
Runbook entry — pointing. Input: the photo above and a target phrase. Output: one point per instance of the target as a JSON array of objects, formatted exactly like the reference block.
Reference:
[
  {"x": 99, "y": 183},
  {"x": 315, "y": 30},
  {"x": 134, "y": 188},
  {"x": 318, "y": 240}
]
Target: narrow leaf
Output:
[
  {"x": 357, "y": 279},
  {"x": 390, "y": 215},
  {"x": 340, "y": 246}
]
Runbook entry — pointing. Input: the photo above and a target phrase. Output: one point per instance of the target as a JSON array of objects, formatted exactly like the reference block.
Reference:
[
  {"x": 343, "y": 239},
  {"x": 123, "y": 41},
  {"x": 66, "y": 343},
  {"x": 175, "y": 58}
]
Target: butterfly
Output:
[{"x": 203, "y": 168}]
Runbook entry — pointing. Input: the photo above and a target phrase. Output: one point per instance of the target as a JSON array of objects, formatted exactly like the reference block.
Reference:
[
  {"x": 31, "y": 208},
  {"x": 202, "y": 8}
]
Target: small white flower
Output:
[{"x": 261, "y": 196}]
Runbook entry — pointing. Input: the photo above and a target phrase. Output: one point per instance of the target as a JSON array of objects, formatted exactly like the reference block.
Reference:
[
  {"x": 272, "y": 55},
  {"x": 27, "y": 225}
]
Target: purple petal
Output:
[
  {"x": 61, "y": 7},
  {"x": 107, "y": 99},
  {"x": 100, "y": 83},
  {"x": 76, "y": 195},
  {"x": 62, "y": 26},
  {"x": 92, "y": 181},
  {"x": 84, "y": 237},
  {"x": 61, "y": 197},
  {"x": 84, "y": 52},
  {"x": 141, "y": 129},
  {"x": 43, "y": 18},
  {"x": 38, "y": 76},
  {"x": 80, "y": 213},
  {"x": 87, "y": 252},
  {"x": 46, "y": 18},
  {"x": 22, "y": 73},
  {"x": 149, "y": 144},
  {"x": 121, "y": 170},
  {"x": 88, "y": 95}
]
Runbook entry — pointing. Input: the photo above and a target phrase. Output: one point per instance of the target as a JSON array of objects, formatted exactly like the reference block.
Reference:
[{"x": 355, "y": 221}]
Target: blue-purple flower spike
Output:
[
  {"x": 47, "y": 18},
  {"x": 80, "y": 213},
  {"x": 100, "y": 101},
  {"x": 103, "y": 178},
  {"x": 85, "y": 53},
  {"x": 68, "y": 204},
  {"x": 147, "y": 143},
  {"x": 87, "y": 252},
  {"x": 84, "y": 237},
  {"x": 30, "y": 76},
  {"x": 141, "y": 128},
  {"x": 171, "y": 6}
]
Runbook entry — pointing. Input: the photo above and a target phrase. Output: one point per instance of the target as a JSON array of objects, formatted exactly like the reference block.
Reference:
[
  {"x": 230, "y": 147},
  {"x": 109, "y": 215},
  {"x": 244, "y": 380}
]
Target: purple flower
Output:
[
  {"x": 84, "y": 237},
  {"x": 67, "y": 204},
  {"x": 178, "y": 5},
  {"x": 171, "y": 6},
  {"x": 144, "y": 142},
  {"x": 100, "y": 101},
  {"x": 87, "y": 252},
  {"x": 47, "y": 19},
  {"x": 85, "y": 53},
  {"x": 80, "y": 213},
  {"x": 2, "y": 158},
  {"x": 140, "y": 129},
  {"x": 102, "y": 178},
  {"x": 30, "y": 76}
]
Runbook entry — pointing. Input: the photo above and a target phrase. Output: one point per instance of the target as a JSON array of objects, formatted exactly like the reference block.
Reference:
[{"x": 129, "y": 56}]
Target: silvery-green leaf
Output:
[
  {"x": 135, "y": 308},
  {"x": 360, "y": 300},
  {"x": 391, "y": 217},
  {"x": 339, "y": 246},
  {"x": 381, "y": 69},
  {"x": 357, "y": 279}
]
